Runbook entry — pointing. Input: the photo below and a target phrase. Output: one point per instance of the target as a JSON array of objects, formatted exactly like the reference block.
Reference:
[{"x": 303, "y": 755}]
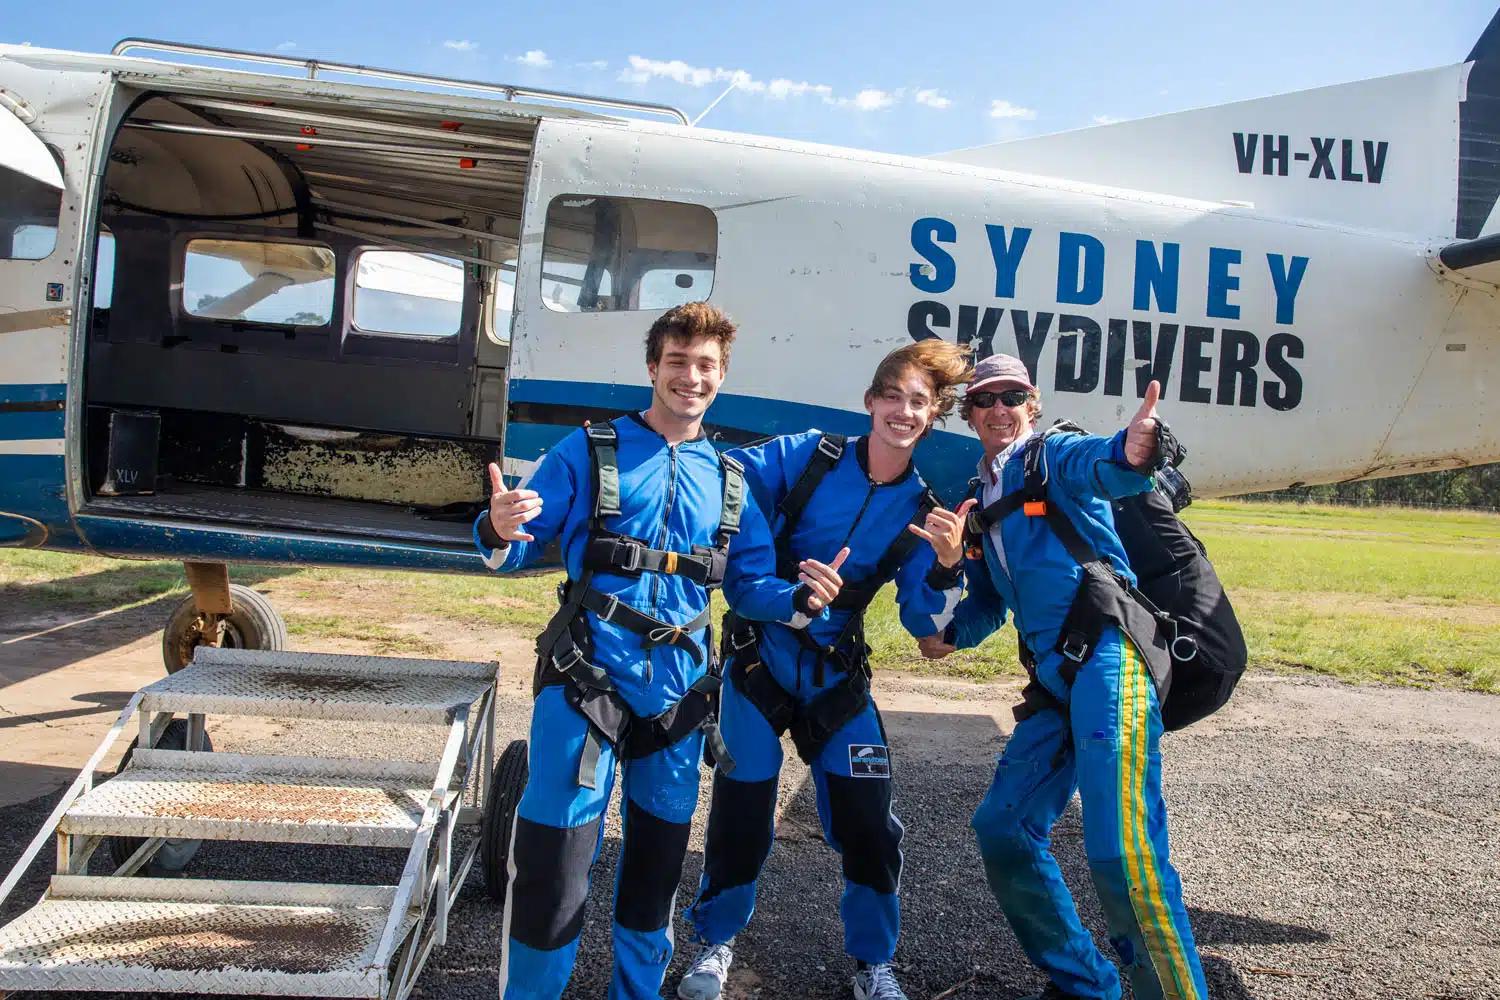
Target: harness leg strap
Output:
[{"x": 588, "y": 764}]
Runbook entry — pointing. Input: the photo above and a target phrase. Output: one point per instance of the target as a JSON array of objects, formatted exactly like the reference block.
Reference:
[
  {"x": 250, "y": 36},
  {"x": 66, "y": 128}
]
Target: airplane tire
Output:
[
  {"x": 506, "y": 786},
  {"x": 254, "y": 624},
  {"x": 175, "y": 853}
]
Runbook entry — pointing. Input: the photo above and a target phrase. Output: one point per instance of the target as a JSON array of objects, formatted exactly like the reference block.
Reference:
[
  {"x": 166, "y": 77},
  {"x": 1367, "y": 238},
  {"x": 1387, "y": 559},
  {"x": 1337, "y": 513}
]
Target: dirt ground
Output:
[{"x": 1334, "y": 841}]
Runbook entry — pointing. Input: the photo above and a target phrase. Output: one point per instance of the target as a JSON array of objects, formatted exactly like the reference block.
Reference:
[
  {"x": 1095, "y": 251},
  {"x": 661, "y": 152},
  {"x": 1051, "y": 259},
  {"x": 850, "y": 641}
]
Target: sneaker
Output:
[
  {"x": 877, "y": 982},
  {"x": 704, "y": 979}
]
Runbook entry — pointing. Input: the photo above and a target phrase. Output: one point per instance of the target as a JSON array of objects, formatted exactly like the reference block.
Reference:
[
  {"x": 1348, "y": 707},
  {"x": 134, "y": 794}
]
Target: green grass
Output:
[
  {"x": 1387, "y": 595},
  {"x": 385, "y": 638}
]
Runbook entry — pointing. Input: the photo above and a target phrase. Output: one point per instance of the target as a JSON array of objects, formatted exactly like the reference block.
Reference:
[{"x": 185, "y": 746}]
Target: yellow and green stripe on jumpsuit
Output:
[{"x": 1106, "y": 748}]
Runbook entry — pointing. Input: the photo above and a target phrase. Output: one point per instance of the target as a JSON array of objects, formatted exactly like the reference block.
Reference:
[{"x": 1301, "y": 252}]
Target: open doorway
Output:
[{"x": 303, "y": 318}]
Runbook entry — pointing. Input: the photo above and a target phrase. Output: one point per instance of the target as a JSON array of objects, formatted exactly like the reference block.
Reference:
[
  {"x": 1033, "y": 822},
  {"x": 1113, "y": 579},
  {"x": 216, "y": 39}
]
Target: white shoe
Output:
[
  {"x": 704, "y": 979},
  {"x": 877, "y": 982}
]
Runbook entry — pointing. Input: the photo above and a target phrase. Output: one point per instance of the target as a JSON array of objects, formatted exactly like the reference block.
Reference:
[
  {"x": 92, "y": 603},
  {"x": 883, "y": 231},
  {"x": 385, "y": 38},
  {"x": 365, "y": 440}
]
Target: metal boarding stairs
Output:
[{"x": 170, "y": 935}]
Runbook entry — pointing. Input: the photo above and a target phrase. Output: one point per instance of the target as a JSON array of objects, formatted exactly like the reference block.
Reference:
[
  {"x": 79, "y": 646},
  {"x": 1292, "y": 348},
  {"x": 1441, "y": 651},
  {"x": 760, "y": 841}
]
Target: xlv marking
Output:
[{"x": 1276, "y": 157}]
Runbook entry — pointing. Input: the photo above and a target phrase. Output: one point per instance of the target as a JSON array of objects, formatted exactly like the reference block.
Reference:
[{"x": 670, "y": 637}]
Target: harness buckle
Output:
[
  {"x": 1075, "y": 647},
  {"x": 610, "y": 608},
  {"x": 568, "y": 660},
  {"x": 830, "y": 449},
  {"x": 976, "y": 523},
  {"x": 631, "y": 563},
  {"x": 734, "y": 638}
]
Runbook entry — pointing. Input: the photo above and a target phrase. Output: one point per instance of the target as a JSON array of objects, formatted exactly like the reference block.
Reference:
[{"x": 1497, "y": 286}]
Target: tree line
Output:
[{"x": 1475, "y": 486}]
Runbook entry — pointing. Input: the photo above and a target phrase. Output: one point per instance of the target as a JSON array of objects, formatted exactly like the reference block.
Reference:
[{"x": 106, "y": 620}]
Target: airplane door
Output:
[{"x": 49, "y": 122}]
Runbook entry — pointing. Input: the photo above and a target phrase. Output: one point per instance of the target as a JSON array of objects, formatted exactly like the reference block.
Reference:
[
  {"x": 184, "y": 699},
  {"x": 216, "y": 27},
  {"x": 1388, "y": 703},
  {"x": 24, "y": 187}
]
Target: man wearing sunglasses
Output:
[{"x": 1089, "y": 723}]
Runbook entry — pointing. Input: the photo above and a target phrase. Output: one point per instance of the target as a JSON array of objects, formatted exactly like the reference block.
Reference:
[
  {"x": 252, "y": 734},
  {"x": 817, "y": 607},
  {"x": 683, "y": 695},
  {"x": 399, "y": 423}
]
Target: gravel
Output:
[{"x": 1333, "y": 841}]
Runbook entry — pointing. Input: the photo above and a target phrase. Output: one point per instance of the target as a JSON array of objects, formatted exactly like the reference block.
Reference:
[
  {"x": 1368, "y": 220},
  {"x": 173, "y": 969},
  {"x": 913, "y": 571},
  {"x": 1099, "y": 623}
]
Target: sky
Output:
[{"x": 902, "y": 78}]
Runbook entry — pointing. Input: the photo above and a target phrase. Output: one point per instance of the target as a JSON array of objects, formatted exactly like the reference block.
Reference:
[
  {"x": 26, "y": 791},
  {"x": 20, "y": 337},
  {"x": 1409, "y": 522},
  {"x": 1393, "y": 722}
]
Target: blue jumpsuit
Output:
[
  {"x": 671, "y": 497},
  {"x": 852, "y": 775},
  {"x": 1107, "y": 748}
]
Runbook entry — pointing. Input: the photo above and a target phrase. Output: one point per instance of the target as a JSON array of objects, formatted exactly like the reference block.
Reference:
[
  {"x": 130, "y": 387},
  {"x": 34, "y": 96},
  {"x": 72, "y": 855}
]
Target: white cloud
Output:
[
  {"x": 641, "y": 70},
  {"x": 536, "y": 58},
  {"x": 286, "y": 46},
  {"x": 874, "y": 100},
  {"x": 781, "y": 89},
  {"x": 595, "y": 64},
  {"x": 932, "y": 98},
  {"x": 1004, "y": 109},
  {"x": 1106, "y": 120},
  {"x": 463, "y": 46}
]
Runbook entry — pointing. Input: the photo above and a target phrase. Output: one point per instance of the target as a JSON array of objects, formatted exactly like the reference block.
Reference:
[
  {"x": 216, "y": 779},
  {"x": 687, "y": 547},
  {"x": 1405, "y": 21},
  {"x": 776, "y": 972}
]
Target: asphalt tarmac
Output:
[{"x": 1333, "y": 841}]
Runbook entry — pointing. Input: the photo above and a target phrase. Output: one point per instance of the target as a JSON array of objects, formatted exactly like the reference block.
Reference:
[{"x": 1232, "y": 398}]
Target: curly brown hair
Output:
[
  {"x": 945, "y": 366},
  {"x": 690, "y": 321}
]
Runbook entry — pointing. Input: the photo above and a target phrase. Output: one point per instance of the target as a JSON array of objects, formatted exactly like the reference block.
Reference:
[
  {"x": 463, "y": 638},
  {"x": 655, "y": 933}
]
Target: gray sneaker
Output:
[
  {"x": 704, "y": 979},
  {"x": 877, "y": 982}
]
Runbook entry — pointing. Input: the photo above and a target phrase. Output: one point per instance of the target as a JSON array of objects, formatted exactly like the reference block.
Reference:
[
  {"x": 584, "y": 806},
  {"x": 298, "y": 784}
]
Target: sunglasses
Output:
[{"x": 1010, "y": 397}]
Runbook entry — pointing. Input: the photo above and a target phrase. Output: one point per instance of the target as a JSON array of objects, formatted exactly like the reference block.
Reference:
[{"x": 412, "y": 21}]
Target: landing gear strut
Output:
[{"x": 219, "y": 613}]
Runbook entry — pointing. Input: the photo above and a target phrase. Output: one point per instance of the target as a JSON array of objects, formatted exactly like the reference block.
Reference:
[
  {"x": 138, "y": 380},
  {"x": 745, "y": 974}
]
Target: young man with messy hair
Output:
[
  {"x": 649, "y": 518},
  {"x": 813, "y": 677}
]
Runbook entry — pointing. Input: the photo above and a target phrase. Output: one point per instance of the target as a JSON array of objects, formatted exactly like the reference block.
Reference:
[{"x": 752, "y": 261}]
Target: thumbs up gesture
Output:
[
  {"x": 944, "y": 530},
  {"x": 822, "y": 579},
  {"x": 1140, "y": 436},
  {"x": 509, "y": 509}
]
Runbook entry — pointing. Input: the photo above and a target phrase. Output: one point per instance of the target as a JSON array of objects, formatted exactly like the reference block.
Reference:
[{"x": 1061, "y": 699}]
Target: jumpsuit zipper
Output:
[{"x": 662, "y": 538}]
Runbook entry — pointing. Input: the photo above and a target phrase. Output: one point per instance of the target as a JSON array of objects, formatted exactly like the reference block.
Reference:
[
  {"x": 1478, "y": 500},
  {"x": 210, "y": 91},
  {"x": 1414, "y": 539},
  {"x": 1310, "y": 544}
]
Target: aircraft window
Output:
[
  {"x": 280, "y": 283},
  {"x": 502, "y": 301},
  {"x": 104, "y": 271},
  {"x": 402, "y": 294},
  {"x": 604, "y": 254},
  {"x": 29, "y": 211}
]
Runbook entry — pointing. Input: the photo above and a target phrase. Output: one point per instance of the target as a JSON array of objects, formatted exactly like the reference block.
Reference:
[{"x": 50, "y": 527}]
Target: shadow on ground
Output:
[{"x": 47, "y": 624}]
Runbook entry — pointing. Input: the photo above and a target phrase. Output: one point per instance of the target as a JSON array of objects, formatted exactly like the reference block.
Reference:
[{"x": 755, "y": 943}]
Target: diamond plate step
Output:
[
  {"x": 186, "y": 936},
  {"x": 320, "y": 686},
  {"x": 289, "y": 800}
]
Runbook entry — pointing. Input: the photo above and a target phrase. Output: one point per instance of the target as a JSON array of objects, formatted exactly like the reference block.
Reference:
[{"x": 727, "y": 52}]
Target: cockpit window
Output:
[
  {"x": 603, "y": 254},
  {"x": 278, "y": 283}
]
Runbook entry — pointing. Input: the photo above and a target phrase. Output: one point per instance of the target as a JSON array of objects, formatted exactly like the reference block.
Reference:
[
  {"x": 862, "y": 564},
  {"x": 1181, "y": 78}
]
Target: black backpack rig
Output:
[
  {"x": 1177, "y": 613},
  {"x": 565, "y": 648},
  {"x": 814, "y": 724}
]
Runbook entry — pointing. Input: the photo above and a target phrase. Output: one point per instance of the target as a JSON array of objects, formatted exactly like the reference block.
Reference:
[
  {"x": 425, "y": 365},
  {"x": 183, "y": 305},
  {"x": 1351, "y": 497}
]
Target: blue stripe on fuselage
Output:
[
  {"x": 946, "y": 460},
  {"x": 33, "y": 392},
  {"x": 31, "y": 424}
]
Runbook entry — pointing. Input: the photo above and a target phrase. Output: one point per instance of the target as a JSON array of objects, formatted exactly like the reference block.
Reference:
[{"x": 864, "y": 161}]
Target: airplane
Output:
[{"x": 247, "y": 316}]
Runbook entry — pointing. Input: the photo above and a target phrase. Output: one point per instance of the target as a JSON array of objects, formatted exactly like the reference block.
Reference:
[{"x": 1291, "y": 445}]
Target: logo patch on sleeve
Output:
[{"x": 869, "y": 761}]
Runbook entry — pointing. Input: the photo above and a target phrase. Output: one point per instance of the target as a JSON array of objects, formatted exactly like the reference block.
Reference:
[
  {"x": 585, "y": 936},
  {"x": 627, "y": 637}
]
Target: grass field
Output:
[{"x": 1396, "y": 596}]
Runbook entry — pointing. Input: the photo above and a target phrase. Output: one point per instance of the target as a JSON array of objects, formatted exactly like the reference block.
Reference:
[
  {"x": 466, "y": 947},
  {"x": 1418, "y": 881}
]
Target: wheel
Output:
[
  {"x": 255, "y": 624},
  {"x": 175, "y": 853},
  {"x": 506, "y": 786}
]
